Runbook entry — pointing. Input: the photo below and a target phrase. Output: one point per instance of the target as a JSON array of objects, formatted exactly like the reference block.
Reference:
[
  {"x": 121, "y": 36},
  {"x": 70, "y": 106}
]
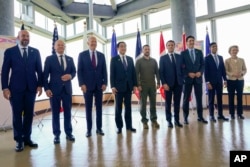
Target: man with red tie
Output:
[{"x": 92, "y": 78}]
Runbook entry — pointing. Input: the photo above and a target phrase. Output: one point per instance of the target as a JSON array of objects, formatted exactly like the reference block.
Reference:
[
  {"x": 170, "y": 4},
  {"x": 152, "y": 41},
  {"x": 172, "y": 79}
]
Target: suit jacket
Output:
[
  {"x": 87, "y": 74},
  {"x": 167, "y": 74},
  {"x": 214, "y": 74},
  {"x": 121, "y": 79},
  {"x": 190, "y": 67},
  {"x": 235, "y": 66},
  {"x": 53, "y": 71},
  {"x": 18, "y": 75}
]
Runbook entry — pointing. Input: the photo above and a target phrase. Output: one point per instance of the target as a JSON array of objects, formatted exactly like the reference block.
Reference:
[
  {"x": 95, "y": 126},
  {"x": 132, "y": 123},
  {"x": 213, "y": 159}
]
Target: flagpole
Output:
[{"x": 85, "y": 35}]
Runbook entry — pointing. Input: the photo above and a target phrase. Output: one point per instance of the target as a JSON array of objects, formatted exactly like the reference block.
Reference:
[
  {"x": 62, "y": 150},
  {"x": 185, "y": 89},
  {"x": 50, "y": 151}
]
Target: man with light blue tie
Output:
[
  {"x": 123, "y": 81},
  {"x": 193, "y": 64},
  {"x": 215, "y": 73},
  {"x": 92, "y": 78}
]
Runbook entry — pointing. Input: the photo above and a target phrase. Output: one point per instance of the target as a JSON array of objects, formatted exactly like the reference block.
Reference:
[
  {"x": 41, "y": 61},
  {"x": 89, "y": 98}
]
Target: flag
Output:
[
  {"x": 162, "y": 52},
  {"x": 183, "y": 41},
  {"x": 207, "y": 43},
  {"x": 85, "y": 45},
  {"x": 138, "y": 48},
  {"x": 207, "y": 50},
  {"x": 162, "y": 45},
  {"x": 138, "y": 51},
  {"x": 22, "y": 26},
  {"x": 55, "y": 38},
  {"x": 113, "y": 45}
]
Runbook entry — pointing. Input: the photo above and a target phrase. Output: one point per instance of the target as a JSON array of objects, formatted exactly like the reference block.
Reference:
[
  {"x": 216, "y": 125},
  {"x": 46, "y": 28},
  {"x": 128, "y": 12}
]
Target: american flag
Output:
[{"x": 55, "y": 38}]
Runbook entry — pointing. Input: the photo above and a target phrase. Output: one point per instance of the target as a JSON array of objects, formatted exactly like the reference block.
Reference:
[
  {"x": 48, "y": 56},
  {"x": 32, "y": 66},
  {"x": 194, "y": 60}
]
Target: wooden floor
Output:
[{"x": 194, "y": 145}]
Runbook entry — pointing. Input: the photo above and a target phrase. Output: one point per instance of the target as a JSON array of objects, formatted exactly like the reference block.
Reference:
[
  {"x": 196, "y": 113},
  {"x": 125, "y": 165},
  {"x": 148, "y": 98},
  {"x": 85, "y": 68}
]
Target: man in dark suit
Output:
[
  {"x": 214, "y": 73},
  {"x": 123, "y": 82},
  {"x": 193, "y": 64},
  {"x": 21, "y": 80},
  {"x": 59, "y": 70},
  {"x": 92, "y": 77},
  {"x": 171, "y": 74}
]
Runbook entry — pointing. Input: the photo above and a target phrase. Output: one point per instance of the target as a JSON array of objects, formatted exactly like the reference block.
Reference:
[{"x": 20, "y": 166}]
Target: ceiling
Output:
[{"x": 69, "y": 11}]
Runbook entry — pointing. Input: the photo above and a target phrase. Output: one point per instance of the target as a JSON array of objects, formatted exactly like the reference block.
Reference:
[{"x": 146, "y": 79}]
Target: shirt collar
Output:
[
  {"x": 58, "y": 55},
  {"x": 21, "y": 47}
]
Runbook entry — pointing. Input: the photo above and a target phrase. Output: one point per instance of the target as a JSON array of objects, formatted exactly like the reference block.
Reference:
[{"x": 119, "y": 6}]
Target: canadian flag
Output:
[
  {"x": 184, "y": 41},
  {"x": 162, "y": 52},
  {"x": 162, "y": 45}
]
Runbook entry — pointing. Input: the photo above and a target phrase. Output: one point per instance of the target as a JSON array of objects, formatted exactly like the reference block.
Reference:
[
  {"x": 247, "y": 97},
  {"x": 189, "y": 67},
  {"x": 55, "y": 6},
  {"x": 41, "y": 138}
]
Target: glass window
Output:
[
  {"x": 44, "y": 45},
  {"x": 79, "y": 26},
  {"x": 51, "y": 25},
  {"x": 73, "y": 49},
  {"x": 118, "y": 30},
  {"x": 17, "y": 7},
  {"x": 119, "y": 1},
  {"x": 235, "y": 34},
  {"x": 39, "y": 20},
  {"x": 70, "y": 30},
  {"x": 228, "y": 4},
  {"x": 201, "y": 33},
  {"x": 159, "y": 18},
  {"x": 131, "y": 45},
  {"x": 60, "y": 29},
  {"x": 155, "y": 42},
  {"x": 200, "y": 7},
  {"x": 131, "y": 26}
]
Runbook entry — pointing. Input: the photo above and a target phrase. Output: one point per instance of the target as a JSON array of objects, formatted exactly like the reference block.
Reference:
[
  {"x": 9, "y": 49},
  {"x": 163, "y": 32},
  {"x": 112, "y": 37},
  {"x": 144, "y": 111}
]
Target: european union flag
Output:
[
  {"x": 138, "y": 48},
  {"x": 113, "y": 45},
  {"x": 55, "y": 38},
  {"x": 207, "y": 44}
]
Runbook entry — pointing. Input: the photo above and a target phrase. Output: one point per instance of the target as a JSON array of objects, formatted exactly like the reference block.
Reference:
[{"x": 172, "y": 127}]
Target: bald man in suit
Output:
[{"x": 21, "y": 80}]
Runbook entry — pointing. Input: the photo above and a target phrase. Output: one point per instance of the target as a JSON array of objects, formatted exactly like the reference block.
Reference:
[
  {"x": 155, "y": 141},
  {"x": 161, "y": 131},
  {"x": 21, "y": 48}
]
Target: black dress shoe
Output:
[
  {"x": 88, "y": 134},
  {"x": 178, "y": 124},
  {"x": 222, "y": 118},
  {"x": 232, "y": 116},
  {"x": 100, "y": 132},
  {"x": 170, "y": 125},
  {"x": 212, "y": 119},
  {"x": 119, "y": 131},
  {"x": 132, "y": 129},
  {"x": 202, "y": 120},
  {"x": 30, "y": 143},
  {"x": 186, "y": 122},
  {"x": 70, "y": 137},
  {"x": 241, "y": 117},
  {"x": 56, "y": 140},
  {"x": 19, "y": 146}
]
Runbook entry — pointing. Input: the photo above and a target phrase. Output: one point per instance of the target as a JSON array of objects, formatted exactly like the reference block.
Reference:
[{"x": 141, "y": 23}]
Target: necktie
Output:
[
  {"x": 93, "y": 60},
  {"x": 174, "y": 65},
  {"x": 25, "y": 55},
  {"x": 216, "y": 60},
  {"x": 124, "y": 63},
  {"x": 62, "y": 63},
  {"x": 173, "y": 61},
  {"x": 192, "y": 55}
]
